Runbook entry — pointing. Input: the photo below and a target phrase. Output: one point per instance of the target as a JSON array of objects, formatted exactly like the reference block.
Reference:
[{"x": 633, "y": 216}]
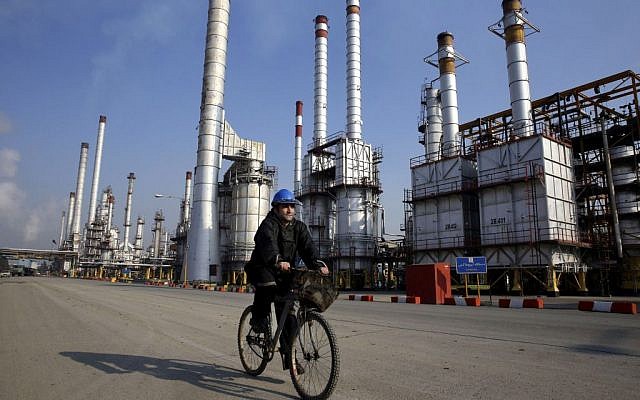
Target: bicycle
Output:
[{"x": 313, "y": 345}]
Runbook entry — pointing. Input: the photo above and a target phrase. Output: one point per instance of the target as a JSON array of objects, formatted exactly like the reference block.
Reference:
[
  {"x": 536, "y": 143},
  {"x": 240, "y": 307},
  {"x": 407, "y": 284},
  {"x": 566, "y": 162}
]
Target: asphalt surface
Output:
[{"x": 77, "y": 339}]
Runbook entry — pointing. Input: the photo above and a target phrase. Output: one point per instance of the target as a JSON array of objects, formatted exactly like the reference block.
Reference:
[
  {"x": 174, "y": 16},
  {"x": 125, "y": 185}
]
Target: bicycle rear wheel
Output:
[
  {"x": 252, "y": 346},
  {"x": 315, "y": 349}
]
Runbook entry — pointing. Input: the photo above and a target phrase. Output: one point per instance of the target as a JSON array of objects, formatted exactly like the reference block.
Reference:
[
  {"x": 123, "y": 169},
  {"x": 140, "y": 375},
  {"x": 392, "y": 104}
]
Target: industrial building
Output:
[{"x": 547, "y": 191}]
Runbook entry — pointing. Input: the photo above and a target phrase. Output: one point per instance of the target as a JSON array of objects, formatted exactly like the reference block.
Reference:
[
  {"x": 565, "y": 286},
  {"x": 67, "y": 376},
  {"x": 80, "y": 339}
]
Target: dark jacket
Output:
[{"x": 275, "y": 242}]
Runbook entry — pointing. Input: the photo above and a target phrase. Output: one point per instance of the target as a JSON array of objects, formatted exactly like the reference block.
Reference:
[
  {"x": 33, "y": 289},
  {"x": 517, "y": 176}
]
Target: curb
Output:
[
  {"x": 519, "y": 302},
  {"x": 361, "y": 297},
  {"x": 406, "y": 299},
  {"x": 462, "y": 301},
  {"x": 608, "y": 306}
]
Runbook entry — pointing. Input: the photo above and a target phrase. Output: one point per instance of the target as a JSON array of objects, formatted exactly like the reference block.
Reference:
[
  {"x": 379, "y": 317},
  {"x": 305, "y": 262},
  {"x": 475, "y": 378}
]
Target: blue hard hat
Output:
[{"x": 284, "y": 196}]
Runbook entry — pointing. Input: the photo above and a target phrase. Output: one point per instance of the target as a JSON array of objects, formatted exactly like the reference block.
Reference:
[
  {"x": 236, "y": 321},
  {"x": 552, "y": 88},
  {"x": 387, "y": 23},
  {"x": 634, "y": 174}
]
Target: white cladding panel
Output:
[
  {"x": 533, "y": 197},
  {"x": 443, "y": 176},
  {"x": 354, "y": 164},
  {"x": 439, "y": 222}
]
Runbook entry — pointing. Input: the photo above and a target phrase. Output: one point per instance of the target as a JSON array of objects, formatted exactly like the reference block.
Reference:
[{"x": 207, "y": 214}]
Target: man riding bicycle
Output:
[{"x": 280, "y": 241}]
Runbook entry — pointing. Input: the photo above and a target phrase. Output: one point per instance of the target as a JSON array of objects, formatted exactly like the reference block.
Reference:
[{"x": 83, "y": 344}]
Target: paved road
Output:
[{"x": 75, "y": 339}]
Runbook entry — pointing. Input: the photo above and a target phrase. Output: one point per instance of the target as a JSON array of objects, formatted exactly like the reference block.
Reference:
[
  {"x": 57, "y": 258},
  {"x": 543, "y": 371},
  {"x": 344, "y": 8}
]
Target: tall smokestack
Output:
[
  {"x": 186, "y": 202},
  {"x": 204, "y": 236},
  {"x": 320, "y": 80},
  {"x": 127, "y": 210},
  {"x": 434, "y": 123},
  {"x": 96, "y": 169},
  {"x": 448, "y": 96},
  {"x": 297, "y": 170},
  {"x": 77, "y": 213},
  {"x": 514, "y": 24},
  {"x": 72, "y": 206},
  {"x": 354, "y": 98}
]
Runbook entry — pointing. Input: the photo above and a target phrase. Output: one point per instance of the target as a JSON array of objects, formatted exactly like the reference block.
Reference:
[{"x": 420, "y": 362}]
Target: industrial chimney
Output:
[
  {"x": 297, "y": 170},
  {"x": 512, "y": 29},
  {"x": 320, "y": 80},
  {"x": 82, "y": 169},
  {"x": 203, "y": 237},
  {"x": 96, "y": 169},
  {"x": 448, "y": 96},
  {"x": 354, "y": 98}
]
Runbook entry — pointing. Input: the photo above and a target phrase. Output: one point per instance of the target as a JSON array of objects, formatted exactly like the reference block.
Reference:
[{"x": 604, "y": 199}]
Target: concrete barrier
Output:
[
  {"x": 361, "y": 297},
  {"x": 608, "y": 306},
  {"x": 520, "y": 302},
  {"x": 462, "y": 301},
  {"x": 406, "y": 299}
]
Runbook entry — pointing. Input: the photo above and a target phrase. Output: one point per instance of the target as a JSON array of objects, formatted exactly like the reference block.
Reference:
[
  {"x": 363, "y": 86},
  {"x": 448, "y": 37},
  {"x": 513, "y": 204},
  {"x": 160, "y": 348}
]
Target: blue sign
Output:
[{"x": 471, "y": 265}]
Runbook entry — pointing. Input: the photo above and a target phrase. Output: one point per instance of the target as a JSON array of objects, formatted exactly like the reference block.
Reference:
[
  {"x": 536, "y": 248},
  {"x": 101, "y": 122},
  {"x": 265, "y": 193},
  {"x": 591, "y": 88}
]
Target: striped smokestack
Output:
[
  {"x": 203, "y": 237},
  {"x": 127, "y": 210},
  {"x": 320, "y": 81},
  {"x": 297, "y": 170},
  {"x": 448, "y": 95},
  {"x": 354, "y": 97},
  {"x": 77, "y": 212},
  {"x": 514, "y": 24},
  {"x": 102, "y": 122}
]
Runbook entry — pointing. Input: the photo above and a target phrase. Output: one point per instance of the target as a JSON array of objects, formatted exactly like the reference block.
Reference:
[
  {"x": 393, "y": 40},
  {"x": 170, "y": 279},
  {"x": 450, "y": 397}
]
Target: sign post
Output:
[{"x": 471, "y": 265}]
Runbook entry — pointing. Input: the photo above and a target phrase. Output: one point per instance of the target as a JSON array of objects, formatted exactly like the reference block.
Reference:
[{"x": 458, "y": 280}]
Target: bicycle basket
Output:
[{"x": 316, "y": 291}]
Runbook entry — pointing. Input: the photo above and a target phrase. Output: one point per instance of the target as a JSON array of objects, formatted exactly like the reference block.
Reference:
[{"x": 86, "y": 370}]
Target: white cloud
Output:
[
  {"x": 5, "y": 123},
  {"x": 9, "y": 159},
  {"x": 11, "y": 199}
]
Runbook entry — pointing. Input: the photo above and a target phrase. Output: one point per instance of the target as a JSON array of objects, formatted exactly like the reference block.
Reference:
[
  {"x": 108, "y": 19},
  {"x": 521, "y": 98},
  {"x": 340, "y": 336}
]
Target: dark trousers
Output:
[{"x": 267, "y": 287}]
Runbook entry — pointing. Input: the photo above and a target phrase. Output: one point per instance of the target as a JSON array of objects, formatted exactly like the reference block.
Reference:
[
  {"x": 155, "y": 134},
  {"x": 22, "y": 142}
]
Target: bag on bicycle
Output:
[{"x": 317, "y": 291}]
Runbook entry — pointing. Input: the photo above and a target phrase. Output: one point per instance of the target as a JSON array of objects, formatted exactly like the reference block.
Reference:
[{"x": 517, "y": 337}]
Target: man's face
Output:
[{"x": 286, "y": 212}]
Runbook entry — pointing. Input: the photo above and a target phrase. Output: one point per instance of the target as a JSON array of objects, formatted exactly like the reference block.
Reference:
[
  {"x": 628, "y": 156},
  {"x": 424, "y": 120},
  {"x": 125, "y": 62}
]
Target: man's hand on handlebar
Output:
[
  {"x": 324, "y": 270},
  {"x": 284, "y": 266}
]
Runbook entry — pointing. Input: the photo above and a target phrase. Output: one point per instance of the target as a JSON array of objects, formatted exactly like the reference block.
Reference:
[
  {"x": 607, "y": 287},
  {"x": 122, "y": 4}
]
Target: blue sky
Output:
[{"x": 64, "y": 63}]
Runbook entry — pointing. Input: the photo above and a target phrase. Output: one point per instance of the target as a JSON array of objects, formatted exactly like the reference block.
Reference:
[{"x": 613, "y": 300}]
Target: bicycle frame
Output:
[{"x": 289, "y": 300}]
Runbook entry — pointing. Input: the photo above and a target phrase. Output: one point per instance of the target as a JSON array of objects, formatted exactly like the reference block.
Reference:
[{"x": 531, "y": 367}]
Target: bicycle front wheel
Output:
[
  {"x": 252, "y": 346},
  {"x": 315, "y": 350}
]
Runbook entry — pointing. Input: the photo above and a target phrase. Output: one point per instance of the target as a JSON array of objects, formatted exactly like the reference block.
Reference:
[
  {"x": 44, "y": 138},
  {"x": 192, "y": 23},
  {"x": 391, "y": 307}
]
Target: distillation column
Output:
[
  {"x": 127, "y": 211},
  {"x": 204, "y": 236},
  {"x": 448, "y": 95},
  {"x": 72, "y": 205}
]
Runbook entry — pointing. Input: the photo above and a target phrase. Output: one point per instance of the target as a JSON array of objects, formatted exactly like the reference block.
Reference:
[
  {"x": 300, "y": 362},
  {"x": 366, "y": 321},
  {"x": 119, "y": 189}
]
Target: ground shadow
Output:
[{"x": 212, "y": 377}]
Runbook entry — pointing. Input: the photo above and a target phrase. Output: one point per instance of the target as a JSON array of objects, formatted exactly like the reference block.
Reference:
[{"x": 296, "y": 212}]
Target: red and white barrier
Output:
[
  {"x": 608, "y": 306},
  {"x": 462, "y": 301},
  {"x": 406, "y": 299},
  {"x": 361, "y": 297},
  {"x": 521, "y": 302}
]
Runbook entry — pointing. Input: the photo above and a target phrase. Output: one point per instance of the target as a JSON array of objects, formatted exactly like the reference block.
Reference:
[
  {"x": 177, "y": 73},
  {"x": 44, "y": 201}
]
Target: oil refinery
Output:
[{"x": 547, "y": 189}]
